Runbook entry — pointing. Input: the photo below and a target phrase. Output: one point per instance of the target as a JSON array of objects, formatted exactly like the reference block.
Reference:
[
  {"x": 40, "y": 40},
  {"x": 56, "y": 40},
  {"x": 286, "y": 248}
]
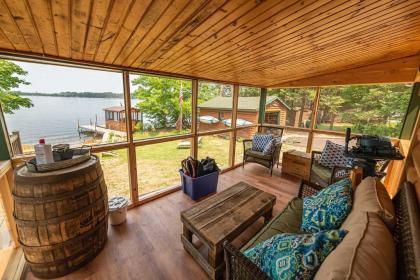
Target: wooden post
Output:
[
  {"x": 194, "y": 140},
  {"x": 412, "y": 111},
  {"x": 314, "y": 116},
  {"x": 356, "y": 176},
  {"x": 233, "y": 122},
  {"x": 6, "y": 183},
  {"x": 263, "y": 100},
  {"x": 132, "y": 162}
]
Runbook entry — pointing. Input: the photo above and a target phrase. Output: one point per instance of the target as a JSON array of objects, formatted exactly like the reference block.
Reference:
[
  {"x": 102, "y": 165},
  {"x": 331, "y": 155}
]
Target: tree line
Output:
[
  {"x": 369, "y": 109},
  {"x": 85, "y": 94}
]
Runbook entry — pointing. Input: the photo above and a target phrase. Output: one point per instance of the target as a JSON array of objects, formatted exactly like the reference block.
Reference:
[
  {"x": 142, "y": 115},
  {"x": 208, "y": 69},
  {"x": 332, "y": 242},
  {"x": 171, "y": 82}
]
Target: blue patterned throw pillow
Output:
[
  {"x": 327, "y": 209},
  {"x": 259, "y": 141},
  {"x": 269, "y": 148},
  {"x": 294, "y": 256},
  {"x": 333, "y": 155}
]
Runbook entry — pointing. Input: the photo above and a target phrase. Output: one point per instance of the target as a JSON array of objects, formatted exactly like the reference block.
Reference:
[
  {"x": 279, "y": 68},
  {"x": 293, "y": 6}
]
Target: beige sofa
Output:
[{"x": 367, "y": 252}]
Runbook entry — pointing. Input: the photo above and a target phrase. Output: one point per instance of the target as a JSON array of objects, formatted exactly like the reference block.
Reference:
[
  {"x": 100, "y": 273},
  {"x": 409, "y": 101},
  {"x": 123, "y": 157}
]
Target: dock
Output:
[{"x": 100, "y": 130}]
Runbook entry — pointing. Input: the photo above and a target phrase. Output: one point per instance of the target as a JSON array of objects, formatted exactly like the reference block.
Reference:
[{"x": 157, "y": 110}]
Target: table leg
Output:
[
  {"x": 187, "y": 233},
  {"x": 205, "y": 263},
  {"x": 215, "y": 260},
  {"x": 268, "y": 215}
]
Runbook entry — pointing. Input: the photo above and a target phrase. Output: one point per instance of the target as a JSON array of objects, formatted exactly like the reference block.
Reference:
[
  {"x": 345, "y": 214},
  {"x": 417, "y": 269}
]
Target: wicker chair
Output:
[
  {"x": 258, "y": 157},
  {"x": 324, "y": 176},
  {"x": 406, "y": 235}
]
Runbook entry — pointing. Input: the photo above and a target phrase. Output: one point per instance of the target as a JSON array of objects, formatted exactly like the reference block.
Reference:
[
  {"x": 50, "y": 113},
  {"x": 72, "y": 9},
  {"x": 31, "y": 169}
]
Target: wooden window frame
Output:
[{"x": 131, "y": 144}]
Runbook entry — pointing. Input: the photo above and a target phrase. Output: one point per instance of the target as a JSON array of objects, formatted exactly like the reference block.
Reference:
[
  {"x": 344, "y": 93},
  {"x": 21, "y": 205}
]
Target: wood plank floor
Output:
[{"x": 148, "y": 246}]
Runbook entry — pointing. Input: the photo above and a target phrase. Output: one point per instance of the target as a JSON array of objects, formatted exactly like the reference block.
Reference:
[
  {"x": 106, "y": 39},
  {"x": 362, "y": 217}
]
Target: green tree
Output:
[
  {"x": 331, "y": 104},
  {"x": 298, "y": 99},
  {"x": 249, "y": 92},
  {"x": 376, "y": 109},
  {"x": 160, "y": 100},
  {"x": 10, "y": 78}
]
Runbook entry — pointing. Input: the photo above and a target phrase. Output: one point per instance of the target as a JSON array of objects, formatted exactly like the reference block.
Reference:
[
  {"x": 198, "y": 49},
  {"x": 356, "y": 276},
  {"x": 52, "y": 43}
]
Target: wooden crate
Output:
[{"x": 297, "y": 163}]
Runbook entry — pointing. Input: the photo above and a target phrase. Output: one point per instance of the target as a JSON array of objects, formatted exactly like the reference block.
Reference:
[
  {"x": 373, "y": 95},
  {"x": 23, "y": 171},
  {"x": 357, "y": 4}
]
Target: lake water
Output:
[{"x": 56, "y": 118}]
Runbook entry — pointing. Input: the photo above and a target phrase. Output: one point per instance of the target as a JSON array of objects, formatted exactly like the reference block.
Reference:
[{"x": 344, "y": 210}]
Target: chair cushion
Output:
[
  {"x": 321, "y": 171},
  {"x": 294, "y": 256},
  {"x": 327, "y": 209},
  {"x": 367, "y": 251},
  {"x": 287, "y": 221},
  {"x": 371, "y": 196},
  {"x": 333, "y": 155},
  {"x": 259, "y": 141},
  {"x": 257, "y": 154}
]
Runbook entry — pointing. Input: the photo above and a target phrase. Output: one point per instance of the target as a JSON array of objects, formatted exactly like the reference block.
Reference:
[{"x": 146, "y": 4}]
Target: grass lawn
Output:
[
  {"x": 158, "y": 164},
  {"x": 336, "y": 126}
]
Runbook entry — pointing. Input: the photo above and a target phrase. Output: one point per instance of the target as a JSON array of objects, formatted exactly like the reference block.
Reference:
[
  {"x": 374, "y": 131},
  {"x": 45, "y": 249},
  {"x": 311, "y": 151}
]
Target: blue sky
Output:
[{"x": 50, "y": 79}]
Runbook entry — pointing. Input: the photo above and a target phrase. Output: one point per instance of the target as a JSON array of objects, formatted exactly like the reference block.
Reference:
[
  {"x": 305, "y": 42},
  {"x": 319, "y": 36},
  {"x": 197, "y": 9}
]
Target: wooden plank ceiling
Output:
[{"x": 258, "y": 42}]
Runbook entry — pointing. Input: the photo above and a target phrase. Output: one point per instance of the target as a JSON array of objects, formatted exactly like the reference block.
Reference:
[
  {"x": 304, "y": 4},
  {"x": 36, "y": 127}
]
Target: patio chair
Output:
[
  {"x": 258, "y": 157},
  {"x": 324, "y": 176}
]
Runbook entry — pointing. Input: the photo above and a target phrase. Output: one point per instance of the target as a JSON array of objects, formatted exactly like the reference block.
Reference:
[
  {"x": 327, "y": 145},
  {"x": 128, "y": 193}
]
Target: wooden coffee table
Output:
[{"x": 221, "y": 217}]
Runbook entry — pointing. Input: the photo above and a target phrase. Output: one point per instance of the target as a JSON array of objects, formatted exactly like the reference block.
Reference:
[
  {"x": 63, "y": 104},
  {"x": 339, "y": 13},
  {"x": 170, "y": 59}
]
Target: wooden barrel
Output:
[{"x": 61, "y": 217}]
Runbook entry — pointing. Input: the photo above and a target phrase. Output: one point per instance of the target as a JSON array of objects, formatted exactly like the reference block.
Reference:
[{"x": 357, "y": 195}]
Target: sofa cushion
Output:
[
  {"x": 259, "y": 141},
  {"x": 321, "y": 171},
  {"x": 327, "y": 209},
  {"x": 287, "y": 221},
  {"x": 294, "y": 256},
  {"x": 367, "y": 251},
  {"x": 371, "y": 196},
  {"x": 333, "y": 155}
]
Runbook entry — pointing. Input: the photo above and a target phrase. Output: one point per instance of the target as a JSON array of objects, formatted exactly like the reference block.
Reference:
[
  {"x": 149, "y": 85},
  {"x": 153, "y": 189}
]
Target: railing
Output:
[
  {"x": 15, "y": 143},
  {"x": 6, "y": 183}
]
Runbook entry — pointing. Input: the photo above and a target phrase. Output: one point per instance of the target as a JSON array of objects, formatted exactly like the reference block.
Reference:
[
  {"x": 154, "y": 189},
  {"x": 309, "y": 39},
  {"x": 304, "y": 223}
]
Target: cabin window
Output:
[
  {"x": 272, "y": 118},
  {"x": 368, "y": 109},
  {"x": 221, "y": 116}
]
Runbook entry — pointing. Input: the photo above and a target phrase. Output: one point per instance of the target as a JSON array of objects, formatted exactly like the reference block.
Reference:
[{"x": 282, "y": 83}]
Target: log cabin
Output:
[
  {"x": 115, "y": 118},
  {"x": 262, "y": 44},
  {"x": 276, "y": 113}
]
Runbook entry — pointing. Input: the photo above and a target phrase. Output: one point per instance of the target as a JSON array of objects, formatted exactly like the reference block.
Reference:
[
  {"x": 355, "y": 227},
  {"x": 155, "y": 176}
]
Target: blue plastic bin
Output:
[{"x": 198, "y": 187}]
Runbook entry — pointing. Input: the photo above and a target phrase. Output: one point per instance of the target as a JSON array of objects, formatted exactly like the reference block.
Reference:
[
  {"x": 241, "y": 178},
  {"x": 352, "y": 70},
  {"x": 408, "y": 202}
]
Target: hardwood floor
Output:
[{"x": 148, "y": 245}]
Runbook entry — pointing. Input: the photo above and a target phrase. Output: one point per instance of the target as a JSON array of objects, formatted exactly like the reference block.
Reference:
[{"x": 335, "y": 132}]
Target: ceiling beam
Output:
[{"x": 392, "y": 71}]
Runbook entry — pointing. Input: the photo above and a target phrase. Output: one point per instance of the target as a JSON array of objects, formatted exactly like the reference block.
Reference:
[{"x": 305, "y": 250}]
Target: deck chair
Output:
[{"x": 258, "y": 157}]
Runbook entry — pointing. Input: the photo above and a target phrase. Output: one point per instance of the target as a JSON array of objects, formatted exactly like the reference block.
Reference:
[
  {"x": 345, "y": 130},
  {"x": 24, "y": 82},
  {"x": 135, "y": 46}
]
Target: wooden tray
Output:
[{"x": 79, "y": 156}]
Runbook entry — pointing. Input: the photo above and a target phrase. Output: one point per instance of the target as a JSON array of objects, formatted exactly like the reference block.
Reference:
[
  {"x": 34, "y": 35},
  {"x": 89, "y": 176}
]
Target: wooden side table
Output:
[
  {"x": 222, "y": 217},
  {"x": 297, "y": 163}
]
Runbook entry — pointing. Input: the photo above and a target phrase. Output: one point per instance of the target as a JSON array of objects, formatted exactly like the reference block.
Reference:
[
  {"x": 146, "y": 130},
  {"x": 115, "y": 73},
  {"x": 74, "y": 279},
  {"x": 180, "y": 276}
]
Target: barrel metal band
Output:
[
  {"x": 76, "y": 239},
  {"x": 58, "y": 178},
  {"x": 57, "y": 220},
  {"x": 62, "y": 196}
]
